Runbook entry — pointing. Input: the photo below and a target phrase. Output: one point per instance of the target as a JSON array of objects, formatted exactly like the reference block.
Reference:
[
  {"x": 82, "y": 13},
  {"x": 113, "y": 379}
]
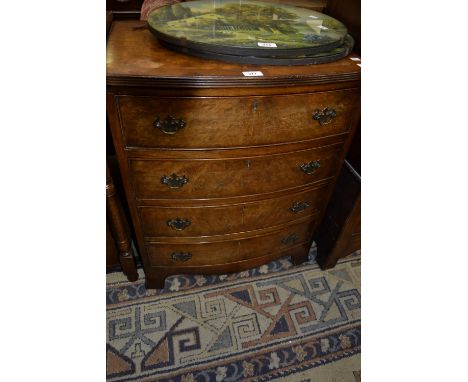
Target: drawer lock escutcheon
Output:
[
  {"x": 181, "y": 256},
  {"x": 325, "y": 116},
  {"x": 174, "y": 181},
  {"x": 299, "y": 206},
  {"x": 290, "y": 239},
  {"x": 311, "y": 167},
  {"x": 170, "y": 125},
  {"x": 178, "y": 224}
]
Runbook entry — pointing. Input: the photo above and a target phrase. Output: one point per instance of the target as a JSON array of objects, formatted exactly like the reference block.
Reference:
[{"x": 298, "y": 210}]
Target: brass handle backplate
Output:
[
  {"x": 325, "y": 116},
  {"x": 174, "y": 181},
  {"x": 290, "y": 239},
  {"x": 311, "y": 167},
  {"x": 178, "y": 224},
  {"x": 180, "y": 256},
  {"x": 170, "y": 125},
  {"x": 299, "y": 206}
]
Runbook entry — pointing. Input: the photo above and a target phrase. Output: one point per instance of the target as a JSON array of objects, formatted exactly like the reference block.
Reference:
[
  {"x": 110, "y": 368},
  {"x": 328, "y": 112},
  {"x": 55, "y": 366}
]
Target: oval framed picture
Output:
[{"x": 246, "y": 28}]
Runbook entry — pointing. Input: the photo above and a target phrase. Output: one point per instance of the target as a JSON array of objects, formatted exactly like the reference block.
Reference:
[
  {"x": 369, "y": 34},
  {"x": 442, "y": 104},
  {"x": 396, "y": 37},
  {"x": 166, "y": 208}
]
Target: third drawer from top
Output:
[{"x": 207, "y": 220}]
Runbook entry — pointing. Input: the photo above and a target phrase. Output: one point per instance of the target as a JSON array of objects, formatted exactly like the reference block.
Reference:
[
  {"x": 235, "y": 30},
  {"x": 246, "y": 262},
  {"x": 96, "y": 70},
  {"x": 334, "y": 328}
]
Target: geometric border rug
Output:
[{"x": 273, "y": 323}]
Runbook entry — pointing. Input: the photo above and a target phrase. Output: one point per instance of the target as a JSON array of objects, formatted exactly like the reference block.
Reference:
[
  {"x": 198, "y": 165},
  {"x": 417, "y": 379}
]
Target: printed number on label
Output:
[
  {"x": 253, "y": 74},
  {"x": 267, "y": 44}
]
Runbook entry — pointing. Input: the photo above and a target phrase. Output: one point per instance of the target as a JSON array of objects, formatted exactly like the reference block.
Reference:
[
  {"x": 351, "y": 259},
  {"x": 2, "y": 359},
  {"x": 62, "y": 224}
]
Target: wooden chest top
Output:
[{"x": 135, "y": 58}]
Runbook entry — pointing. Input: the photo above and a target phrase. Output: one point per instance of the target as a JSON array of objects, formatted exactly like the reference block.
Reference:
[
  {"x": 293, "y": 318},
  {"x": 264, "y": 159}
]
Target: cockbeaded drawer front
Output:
[
  {"x": 206, "y": 220},
  {"x": 213, "y": 252},
  {"x": 218, "y": 122},
  {"x": 224, "y": 178}
]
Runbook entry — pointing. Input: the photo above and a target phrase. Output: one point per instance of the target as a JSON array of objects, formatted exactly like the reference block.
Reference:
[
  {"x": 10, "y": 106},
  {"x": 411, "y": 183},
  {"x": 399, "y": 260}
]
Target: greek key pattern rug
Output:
[{"x": 276, "y": 322}]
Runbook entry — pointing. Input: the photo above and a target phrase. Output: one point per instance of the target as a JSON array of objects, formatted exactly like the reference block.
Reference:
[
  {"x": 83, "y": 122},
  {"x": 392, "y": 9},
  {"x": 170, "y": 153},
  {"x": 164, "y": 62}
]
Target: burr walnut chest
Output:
[{"x": 222, "y": 171}]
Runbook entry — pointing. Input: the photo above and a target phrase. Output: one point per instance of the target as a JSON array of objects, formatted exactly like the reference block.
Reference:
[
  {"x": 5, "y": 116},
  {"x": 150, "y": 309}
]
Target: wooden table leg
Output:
[{"x": 120, "y": 230}]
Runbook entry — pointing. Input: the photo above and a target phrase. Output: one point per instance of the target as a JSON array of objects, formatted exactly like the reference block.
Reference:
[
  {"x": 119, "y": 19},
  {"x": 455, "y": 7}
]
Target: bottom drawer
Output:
[{"x": 222, "y": 252}]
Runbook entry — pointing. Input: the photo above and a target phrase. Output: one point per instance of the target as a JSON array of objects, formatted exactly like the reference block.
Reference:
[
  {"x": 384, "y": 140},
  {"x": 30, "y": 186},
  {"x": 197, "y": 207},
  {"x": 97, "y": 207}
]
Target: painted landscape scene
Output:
[{"x": 244, "y": 24}]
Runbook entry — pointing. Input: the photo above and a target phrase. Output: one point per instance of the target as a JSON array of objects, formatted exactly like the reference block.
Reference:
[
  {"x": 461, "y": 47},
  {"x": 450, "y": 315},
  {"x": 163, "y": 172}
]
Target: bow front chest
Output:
[{"x": 222, "y": 171}]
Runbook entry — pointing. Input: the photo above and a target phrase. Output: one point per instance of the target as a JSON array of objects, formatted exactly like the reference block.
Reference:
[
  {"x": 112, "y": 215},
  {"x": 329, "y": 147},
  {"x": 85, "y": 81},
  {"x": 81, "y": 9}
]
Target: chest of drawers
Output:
[{"x": 224, "y": 172}]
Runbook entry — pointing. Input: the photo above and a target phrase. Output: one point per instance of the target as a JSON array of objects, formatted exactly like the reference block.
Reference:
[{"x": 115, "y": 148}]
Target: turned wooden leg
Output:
[
  {"x": 128, "y": 265},
  {"x": 120, "y": 230}
]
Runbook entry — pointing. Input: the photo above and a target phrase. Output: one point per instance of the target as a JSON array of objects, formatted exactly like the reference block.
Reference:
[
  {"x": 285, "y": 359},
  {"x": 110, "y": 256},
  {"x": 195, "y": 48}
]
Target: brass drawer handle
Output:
[
  {"x": 299, "y": 206},
  {"x": 170, "y": 125},
  {"x": 311, "y": 167},
  {"x": 181, "y": 256},
  {"x": 174, "y": 181},
  {"x": 178, "y": 224},
  {"x": 325, "y": 116},
  {"x": 290, "y": 239}
]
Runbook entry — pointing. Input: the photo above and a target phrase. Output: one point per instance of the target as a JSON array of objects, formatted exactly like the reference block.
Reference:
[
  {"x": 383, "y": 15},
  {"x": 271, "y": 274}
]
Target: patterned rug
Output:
[{"x": 276, "y": 322}]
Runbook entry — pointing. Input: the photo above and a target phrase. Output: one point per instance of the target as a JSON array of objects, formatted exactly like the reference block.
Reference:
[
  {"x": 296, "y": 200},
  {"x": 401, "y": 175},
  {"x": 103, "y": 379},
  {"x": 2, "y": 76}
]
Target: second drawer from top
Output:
[{"x": 232, "y": 177}]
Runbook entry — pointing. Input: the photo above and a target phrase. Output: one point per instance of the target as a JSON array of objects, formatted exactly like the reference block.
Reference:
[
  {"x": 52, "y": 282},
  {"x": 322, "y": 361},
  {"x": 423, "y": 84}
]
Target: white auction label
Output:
[
  {"x": 355, "y": 58},
  {"x": 313, "y": 17},
  {"x": 253, "y": 74},
  {"x": 267, "y": 44},
  {"x": 322, "y": 27}
]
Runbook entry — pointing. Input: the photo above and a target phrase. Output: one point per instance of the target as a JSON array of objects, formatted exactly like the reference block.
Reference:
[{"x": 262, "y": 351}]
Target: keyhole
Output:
[
  {"x": 255, "y": 105},
  {"x": 248, "y": 163}
]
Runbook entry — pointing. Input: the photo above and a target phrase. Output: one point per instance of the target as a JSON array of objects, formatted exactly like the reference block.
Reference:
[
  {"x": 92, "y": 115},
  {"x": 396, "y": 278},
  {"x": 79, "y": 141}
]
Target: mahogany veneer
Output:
[
  {"x": 230, "y": 218},
  {"x": 224, "y": 172},
  {"x": 256, "y": 125}
]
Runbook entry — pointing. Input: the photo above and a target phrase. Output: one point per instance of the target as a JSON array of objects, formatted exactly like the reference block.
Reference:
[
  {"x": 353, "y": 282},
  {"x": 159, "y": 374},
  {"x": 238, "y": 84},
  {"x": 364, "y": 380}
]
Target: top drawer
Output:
[{"x": 217, "y": 122}]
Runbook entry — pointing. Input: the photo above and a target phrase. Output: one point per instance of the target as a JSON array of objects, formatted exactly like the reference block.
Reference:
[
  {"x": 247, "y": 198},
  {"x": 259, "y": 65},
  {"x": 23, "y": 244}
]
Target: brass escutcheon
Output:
[
  {"x": 178, "y": 224},
  {"x": 170, "y": 125},
  {"x": 299, "y": 206},
  {"x": 174, "y": 181},
  {"x": 290, "y": 239},
  {"x": 180, "y": 256},
  {"x": 325, "y": 116},
  {"x": 310, "y": 167}
]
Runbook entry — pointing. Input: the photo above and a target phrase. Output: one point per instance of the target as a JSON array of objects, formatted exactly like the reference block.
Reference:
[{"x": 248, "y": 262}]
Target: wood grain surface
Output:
[
  {"x": 240, "y": 152},
  {"x": 216, "y": 122},
  {"x": 224, "y": 178},
  {"x": 231, "y": 218},
  {"x": 204, "y": 252},
  {"x": 134, "y": 57}
]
